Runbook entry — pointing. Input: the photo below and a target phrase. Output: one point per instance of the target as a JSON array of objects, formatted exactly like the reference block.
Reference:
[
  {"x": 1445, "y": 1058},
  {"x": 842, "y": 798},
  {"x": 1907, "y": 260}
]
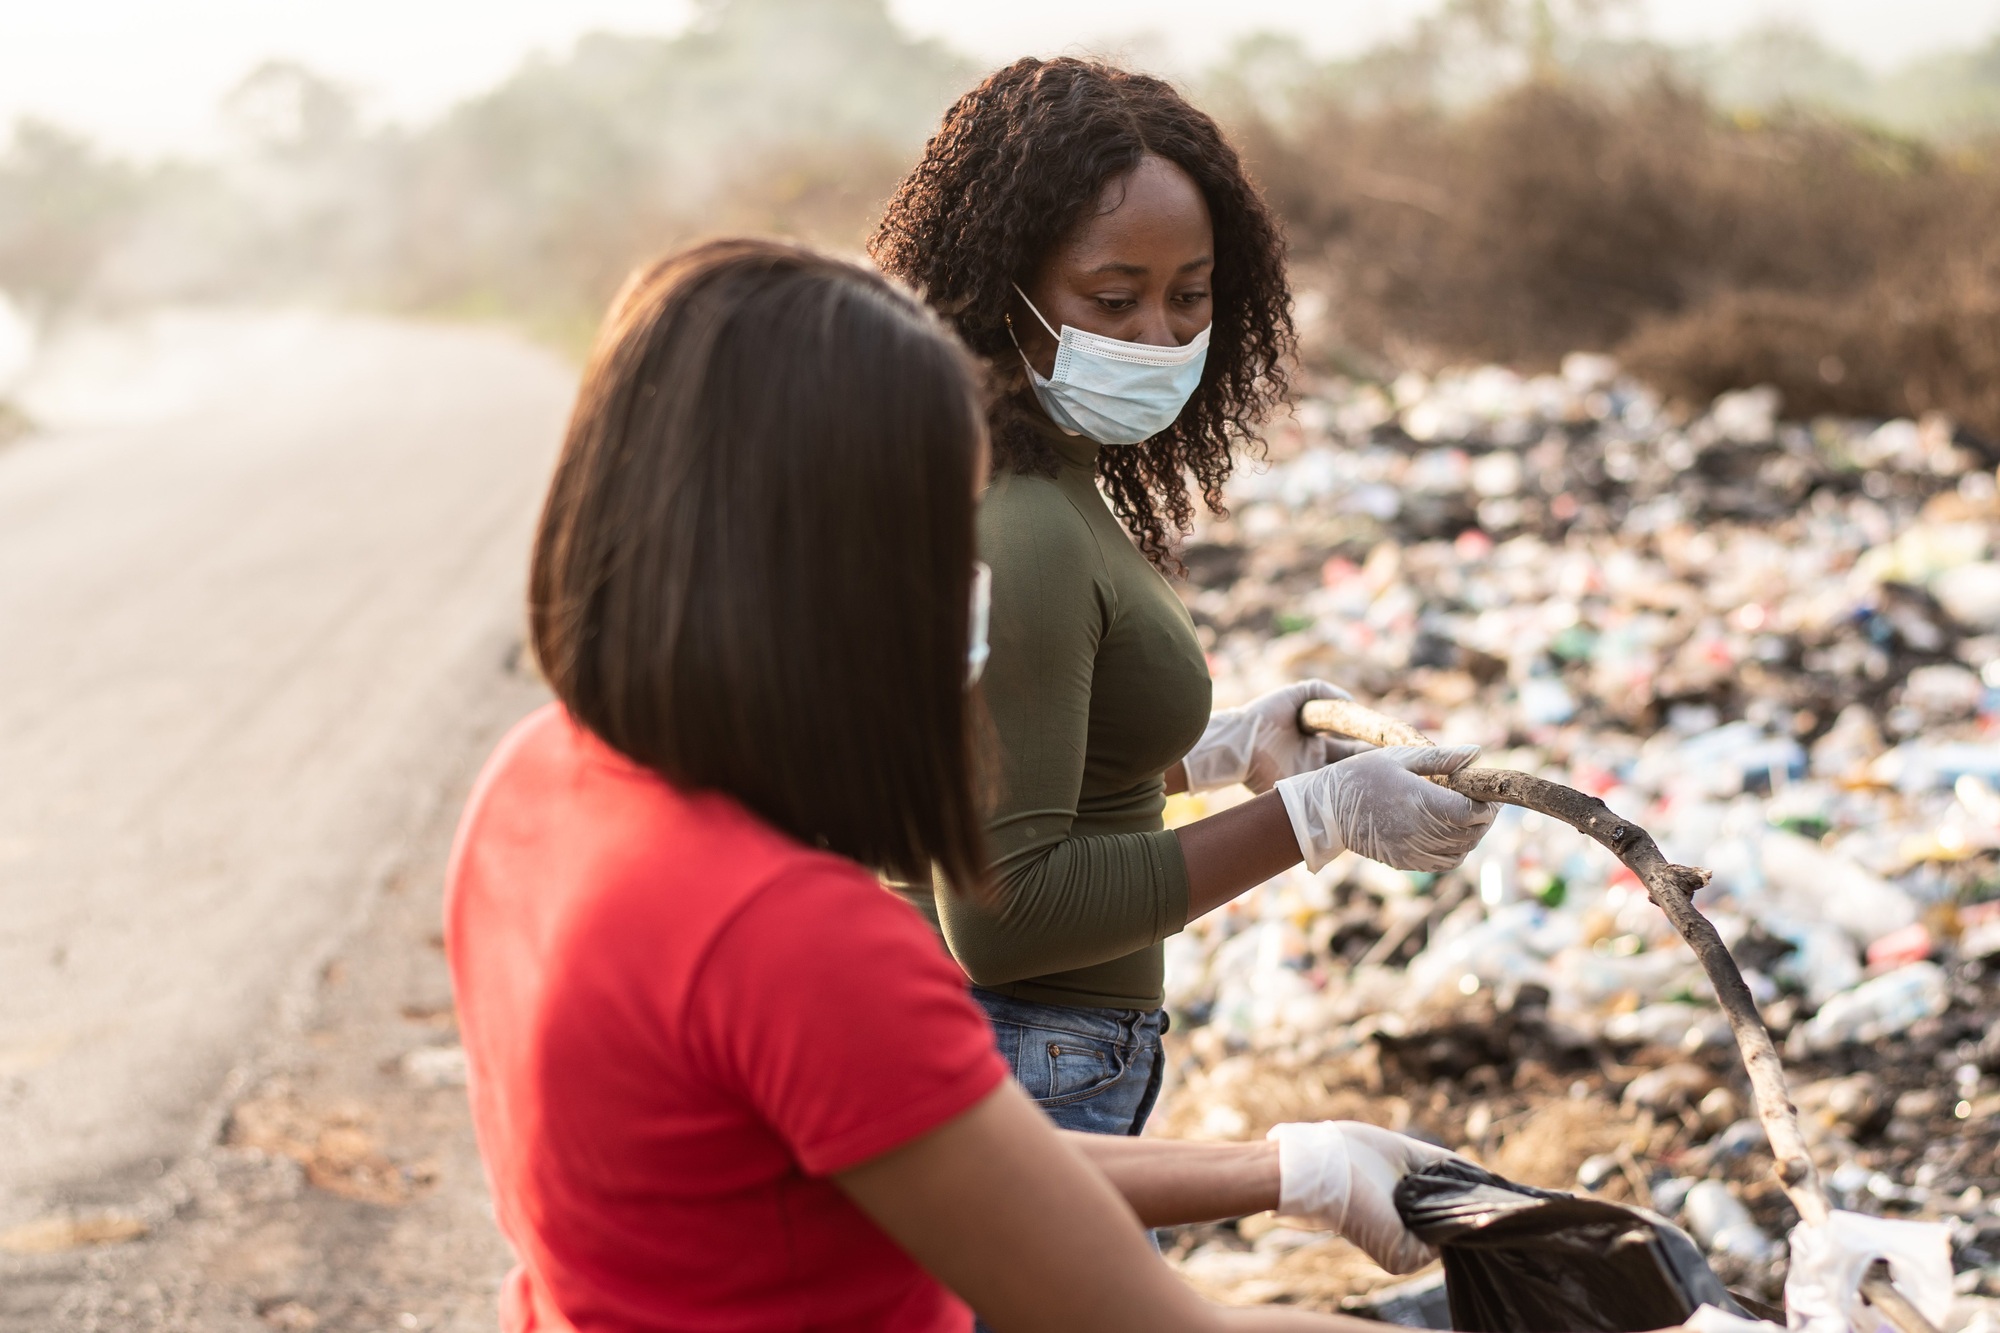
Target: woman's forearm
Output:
[
  {"x": 1229, "y": 852},
  {"x": 1172, "y": 1184}
]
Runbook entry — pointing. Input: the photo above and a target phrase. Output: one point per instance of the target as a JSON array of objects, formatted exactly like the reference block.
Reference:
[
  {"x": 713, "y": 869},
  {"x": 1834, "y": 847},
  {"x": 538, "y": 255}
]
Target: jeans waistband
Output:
[{"x": 1103, "y": 1024}]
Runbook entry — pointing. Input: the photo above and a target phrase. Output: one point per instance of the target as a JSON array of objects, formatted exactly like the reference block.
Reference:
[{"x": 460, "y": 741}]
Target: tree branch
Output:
[{"x": 1670, "y": 886}]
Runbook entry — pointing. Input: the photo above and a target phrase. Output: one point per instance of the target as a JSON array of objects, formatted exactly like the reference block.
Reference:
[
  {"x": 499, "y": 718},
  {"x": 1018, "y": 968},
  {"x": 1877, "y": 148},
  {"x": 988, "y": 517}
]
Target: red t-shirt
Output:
[{"x": 679, "y": 1022}]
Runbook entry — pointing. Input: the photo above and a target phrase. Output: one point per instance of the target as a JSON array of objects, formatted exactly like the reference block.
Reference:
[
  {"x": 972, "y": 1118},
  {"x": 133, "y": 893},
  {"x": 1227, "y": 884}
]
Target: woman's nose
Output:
[{"x": 1158, "y": 330}]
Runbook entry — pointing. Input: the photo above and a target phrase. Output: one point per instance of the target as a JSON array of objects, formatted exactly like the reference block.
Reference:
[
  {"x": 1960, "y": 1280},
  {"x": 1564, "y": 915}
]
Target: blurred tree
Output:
[
  {"x": 533, "y": 200},
  {"x": 282, "y": 107},
  {"x": 1781, "y": 64},
  {"x": 1460, "y": 56},
  {"x": 1954, "y": 94},
  {"x": 1542, "y": 32},
  {"x": 544, "y": 192},
  {"x": 63, "y": 205},
  {"x": 1513, "y": 179}
]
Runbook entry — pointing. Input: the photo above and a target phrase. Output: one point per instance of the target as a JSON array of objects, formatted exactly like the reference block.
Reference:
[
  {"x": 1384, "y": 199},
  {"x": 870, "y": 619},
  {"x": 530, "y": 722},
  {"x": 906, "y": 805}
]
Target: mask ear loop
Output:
[
  {"x": 1019, "y": 350},
  {"x": 1031, "y": 306}
]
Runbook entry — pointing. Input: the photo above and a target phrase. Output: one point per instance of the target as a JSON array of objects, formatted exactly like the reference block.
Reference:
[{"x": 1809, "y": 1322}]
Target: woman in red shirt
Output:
[{"x": 721, "y": 1078}]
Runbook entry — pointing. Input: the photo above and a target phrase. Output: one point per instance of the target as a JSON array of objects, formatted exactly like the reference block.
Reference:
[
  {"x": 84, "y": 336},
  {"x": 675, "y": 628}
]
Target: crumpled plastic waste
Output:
[
  {"x": 1720, "y": 1222},
  {"x": 1823, "y": 1291},
  {"x": 1525, "y": 1260},
  {"x": 1876, "y": 1009},
  {"x": 1775, "y": 644},
  {"x": 1738, "y": 629}
]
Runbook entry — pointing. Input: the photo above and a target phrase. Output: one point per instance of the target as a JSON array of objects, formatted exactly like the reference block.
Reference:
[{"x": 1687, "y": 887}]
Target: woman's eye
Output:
[
  {"x": 1116, "y": 302},
  {"x": 1192, "y": 298}
]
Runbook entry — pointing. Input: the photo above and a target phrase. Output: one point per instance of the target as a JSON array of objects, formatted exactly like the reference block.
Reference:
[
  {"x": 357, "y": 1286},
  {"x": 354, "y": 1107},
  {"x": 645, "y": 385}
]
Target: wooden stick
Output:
[
  {"x": 1344, "y": 717},
  {"x": 1893, "y": 1305},
  {"x": 1672, "y": 888}
]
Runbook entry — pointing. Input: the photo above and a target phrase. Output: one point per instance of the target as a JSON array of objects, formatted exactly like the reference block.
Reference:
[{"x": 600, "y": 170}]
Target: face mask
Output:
[
  {"x": 1115, "y": 392},
  {"x": 982, "y": 611}
]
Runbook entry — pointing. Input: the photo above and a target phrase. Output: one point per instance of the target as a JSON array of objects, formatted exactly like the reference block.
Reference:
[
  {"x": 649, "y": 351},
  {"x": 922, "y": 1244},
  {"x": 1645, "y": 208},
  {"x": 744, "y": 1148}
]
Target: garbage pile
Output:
[{"x": 1774, "y": 644}]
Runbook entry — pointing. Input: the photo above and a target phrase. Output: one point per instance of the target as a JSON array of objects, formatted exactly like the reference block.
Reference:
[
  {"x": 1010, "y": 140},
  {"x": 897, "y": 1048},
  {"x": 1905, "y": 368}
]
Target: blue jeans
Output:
[{"x": 1095, "y": 1070}]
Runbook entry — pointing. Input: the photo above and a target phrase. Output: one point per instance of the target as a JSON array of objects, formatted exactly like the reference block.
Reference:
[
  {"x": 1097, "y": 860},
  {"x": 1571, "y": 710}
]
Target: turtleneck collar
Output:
[{"x": 1075, "y": 451}]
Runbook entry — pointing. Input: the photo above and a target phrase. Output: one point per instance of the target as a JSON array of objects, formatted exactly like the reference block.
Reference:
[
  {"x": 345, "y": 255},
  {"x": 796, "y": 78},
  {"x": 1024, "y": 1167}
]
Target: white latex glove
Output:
[
  {"x": 1261, "y": 742},
  {"x": 1377, "y": 804},
  {"x": 1341, "y": 1175}
]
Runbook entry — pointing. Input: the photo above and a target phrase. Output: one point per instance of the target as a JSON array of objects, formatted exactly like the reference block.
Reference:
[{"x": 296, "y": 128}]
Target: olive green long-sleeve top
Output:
[{"x": 1097, "y": 685}]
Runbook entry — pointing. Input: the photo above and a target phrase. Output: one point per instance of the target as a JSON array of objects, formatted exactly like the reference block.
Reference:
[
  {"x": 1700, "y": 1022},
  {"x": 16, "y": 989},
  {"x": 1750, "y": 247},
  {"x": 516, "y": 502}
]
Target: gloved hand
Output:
[
  {"x": 1377, "y": 804},
  {"x": 1341, "y": 1174},
  {"x": 1261, "y": 742}
]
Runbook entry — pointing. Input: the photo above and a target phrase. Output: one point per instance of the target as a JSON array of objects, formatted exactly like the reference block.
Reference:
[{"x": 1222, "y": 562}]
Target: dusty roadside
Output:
[
  {"x": 260, "y": 578},
  {"x": 340, "y": 1188}
]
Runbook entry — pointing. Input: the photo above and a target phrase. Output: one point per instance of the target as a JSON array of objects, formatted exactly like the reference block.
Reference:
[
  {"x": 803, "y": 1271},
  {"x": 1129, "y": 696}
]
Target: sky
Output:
[{"x": 145, "y": 76}]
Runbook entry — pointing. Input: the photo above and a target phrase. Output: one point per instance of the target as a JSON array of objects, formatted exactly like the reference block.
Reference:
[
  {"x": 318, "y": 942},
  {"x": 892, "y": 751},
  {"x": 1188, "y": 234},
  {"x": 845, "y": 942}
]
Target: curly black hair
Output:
[{"x": 1016, "y": 164}]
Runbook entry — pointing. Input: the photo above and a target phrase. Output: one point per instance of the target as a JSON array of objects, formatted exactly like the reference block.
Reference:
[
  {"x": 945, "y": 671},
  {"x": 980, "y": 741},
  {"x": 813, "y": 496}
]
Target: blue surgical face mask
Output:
[
  {"x": 1115, "y": 392},
  {"x": 982, "y": 612}
]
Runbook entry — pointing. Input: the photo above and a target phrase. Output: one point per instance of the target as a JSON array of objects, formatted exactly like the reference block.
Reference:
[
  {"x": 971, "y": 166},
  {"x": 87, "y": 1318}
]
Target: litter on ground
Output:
[{"x": 1776, "y": 646}]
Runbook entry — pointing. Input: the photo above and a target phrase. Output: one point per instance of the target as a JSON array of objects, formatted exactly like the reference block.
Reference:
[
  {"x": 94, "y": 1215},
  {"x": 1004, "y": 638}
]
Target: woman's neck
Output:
[{"x": 1074, "y": 450}]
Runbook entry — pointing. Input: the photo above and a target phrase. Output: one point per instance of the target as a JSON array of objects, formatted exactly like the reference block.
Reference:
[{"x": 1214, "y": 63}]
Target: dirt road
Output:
[{"x": 259, "y": 618}]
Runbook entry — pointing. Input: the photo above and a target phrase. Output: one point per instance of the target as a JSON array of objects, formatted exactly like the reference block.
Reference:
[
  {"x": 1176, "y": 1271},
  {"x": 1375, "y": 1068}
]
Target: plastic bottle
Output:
[
  {"x": 1722, "y": 1224},
  {"x": 1876, "y": 1009},
  {"x": 1971, "y": 594},
  {"x": 1823, "y": 961},
  {"x": 1811, "y": 883}
]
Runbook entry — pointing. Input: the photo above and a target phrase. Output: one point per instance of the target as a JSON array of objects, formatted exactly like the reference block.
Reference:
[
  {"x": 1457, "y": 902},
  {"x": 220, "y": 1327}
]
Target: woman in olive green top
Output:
[{"x": 1095, "y": 239}]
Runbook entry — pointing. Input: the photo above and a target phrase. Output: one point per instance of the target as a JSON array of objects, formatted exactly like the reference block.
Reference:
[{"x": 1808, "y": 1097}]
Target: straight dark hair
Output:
[{"x": 753, "y": 570}]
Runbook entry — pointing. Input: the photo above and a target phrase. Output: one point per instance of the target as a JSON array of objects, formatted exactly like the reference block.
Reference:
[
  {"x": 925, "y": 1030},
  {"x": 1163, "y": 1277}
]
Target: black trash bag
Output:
[{"x": 1524, "y": 1260}]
